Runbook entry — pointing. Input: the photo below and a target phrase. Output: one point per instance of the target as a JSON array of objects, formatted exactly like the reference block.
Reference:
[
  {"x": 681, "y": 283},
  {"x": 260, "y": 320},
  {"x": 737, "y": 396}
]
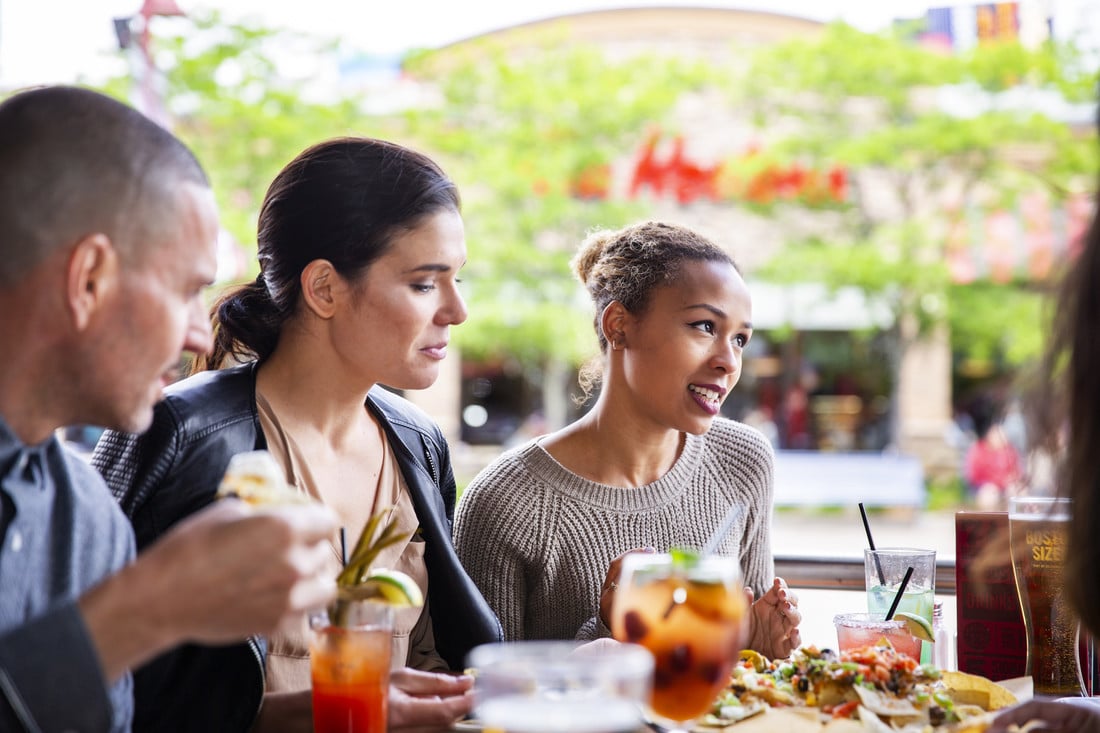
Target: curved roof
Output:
[{"x": 658, "y": 24}]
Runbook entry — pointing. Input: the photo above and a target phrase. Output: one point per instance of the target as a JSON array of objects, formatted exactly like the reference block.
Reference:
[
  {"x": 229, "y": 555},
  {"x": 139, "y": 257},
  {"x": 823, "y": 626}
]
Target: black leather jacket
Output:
[{"x": 174, "y": 469}]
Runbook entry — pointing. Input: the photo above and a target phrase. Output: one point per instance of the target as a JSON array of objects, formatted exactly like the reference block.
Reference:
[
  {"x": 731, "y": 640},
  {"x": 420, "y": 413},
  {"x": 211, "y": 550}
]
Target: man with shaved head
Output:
[{"x": 107, "y": 239}]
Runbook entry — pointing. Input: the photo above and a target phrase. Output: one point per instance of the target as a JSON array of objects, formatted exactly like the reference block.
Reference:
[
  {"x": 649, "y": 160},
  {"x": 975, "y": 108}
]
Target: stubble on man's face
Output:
[{"x": 157, "y": 314}]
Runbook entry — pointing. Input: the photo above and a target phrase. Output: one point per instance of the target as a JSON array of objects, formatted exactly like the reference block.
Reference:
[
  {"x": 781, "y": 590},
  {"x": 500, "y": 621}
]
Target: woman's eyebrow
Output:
[
  {"x": 431, "y": 267},
  {"x": 718, "y": 312},
  {"x": 707, "y": 306}
]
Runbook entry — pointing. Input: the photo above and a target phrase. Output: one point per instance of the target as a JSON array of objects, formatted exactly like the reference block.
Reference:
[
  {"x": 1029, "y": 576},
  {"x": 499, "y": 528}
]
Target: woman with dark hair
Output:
[
  {"x": 360, "y": 243},
  {"x": 543, "y": 528},
  {"x": 1064, "y": 410}
]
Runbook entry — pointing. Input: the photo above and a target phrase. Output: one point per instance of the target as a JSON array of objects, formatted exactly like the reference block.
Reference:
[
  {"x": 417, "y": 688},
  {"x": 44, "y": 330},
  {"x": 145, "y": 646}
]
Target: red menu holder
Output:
[{"x": 991, "y": 637}]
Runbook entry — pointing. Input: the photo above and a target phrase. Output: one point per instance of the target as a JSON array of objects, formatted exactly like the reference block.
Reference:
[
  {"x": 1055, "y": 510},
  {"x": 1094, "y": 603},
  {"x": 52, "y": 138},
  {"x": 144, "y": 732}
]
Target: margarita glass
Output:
[{"x": 855, "y": 630}]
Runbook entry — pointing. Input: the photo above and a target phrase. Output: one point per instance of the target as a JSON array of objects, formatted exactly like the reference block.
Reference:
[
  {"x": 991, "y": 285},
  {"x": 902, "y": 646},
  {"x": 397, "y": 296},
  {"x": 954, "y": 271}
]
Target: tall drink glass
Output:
[
  {"x": 1038, "y": 528},
  {"x": 885, "y": 568},
  {"x": 689, "y": 616},
  {"x": 350, "y": 668}
]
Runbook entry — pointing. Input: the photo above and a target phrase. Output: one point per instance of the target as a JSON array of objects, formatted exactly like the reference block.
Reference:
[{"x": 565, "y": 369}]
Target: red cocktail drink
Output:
[{"x": 350, "y": 668}]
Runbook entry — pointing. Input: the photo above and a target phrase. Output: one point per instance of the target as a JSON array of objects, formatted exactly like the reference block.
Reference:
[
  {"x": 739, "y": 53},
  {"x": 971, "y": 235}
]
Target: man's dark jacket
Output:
[{"x": 173, "y": 470}]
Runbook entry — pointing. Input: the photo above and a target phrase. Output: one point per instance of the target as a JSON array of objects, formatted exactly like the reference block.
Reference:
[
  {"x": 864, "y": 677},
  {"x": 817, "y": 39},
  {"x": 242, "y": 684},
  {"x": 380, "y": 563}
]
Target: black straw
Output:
[
  {"x": 343, "y": 547},
  {"x": 871, "y": 544},
  {"x": 901, "y": 589}
]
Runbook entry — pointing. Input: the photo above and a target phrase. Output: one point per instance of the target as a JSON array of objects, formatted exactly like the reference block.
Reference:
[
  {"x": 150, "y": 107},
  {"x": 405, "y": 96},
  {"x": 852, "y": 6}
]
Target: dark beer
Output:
[{"x": 1038, "y": 529}]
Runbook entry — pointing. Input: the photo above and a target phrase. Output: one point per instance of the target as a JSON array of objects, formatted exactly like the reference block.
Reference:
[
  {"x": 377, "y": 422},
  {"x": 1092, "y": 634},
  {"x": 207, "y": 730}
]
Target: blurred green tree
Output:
[
  {"x": 928, "y": 138},
  {"x": 528, "y": 138},
  {"x": 529, "y": 135},
  {"x": 532, "y": 137},
  {"x": 243, "y": 114}
]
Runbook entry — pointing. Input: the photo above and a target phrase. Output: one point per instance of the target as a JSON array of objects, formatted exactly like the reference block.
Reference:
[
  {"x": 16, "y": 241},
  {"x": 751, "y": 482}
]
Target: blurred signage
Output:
[
  {"x": 960, "y": 27},
  {"x": 1024, "y": 240},
  {"x": 661, "y": 169}
]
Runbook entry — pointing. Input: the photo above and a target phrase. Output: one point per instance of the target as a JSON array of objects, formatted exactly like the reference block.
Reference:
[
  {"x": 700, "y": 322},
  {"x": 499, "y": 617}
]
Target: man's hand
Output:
[
  {"x": 424, "y": 701},
  {"x": 1071, "y": 717},
  {"x": 218, "y": 576},
  {"x": 774, "y": 620}
]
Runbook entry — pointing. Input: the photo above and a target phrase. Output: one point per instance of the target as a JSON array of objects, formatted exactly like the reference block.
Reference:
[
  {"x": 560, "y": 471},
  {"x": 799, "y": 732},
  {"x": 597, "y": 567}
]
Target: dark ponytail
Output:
[
  {"x": 246, "y": 325},
  {"x": 343, "y": 200}
]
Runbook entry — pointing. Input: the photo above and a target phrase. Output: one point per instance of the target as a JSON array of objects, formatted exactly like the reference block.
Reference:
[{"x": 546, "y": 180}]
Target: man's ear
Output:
[
  {"x": 614, "y": 321},
  {"x": 93, "y": 274},
  {"x": 321, "y": 285}
]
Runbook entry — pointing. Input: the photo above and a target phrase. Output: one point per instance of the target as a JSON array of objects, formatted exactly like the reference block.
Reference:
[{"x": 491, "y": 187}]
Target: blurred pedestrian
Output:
[{"x": 992, "y": 466}]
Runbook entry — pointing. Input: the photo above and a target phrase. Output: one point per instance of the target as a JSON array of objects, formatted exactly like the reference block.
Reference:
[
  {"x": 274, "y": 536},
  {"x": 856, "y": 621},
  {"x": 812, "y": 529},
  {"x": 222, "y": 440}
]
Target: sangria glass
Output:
[{"x": 690, "y": 613}]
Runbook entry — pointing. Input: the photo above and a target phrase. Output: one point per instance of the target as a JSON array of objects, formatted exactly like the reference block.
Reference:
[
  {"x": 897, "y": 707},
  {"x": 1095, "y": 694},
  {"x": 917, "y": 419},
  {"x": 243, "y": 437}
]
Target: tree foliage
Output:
[
  {"x": 927, "y": 136},
  {"x": 517, "y": 130},
  {"x": 233, "y": 105}
]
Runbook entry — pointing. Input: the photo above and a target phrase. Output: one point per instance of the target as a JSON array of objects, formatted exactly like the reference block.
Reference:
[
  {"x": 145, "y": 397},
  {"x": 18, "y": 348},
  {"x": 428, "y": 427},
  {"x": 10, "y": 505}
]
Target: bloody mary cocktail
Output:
[{"x": 350, "y": 667}]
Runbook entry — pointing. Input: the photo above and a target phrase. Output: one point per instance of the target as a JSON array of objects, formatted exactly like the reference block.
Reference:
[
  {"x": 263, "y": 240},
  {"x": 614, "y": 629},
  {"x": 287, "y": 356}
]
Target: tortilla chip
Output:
[
  {"x": 773, "y": 719},
  {"x": 885, "y": 705},
  {"x": 972, "y": 689},
  {"x": 977, "y": 724},
  {"x": 256, "y": 478},
  {"x": 872, "y": 723},
  {"x": 733, "y": 714}
]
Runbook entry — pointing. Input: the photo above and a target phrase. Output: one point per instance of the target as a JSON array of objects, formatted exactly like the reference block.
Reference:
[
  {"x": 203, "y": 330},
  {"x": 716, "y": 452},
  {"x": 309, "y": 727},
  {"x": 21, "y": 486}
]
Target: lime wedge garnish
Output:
[
  {"x": 918, "y": 626},
  {"x": 391, "y": 587},
  {"x": 684, "y": 557}
]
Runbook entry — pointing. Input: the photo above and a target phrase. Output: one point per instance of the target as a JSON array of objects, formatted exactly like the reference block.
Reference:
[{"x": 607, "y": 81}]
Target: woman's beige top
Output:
[{"x": 413, "y": 642}]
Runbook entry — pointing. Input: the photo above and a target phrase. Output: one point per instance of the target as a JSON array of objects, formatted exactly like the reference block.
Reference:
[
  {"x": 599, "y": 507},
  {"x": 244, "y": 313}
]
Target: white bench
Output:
[{"x": 814, "y": 479}]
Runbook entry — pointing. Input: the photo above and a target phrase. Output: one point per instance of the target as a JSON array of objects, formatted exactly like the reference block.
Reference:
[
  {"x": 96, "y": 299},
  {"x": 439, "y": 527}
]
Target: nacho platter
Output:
[{"x": 871, "y": 689}]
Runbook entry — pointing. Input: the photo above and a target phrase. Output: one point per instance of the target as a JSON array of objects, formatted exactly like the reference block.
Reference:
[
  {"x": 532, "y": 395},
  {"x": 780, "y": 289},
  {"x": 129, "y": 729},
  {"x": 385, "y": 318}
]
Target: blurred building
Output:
[{"x": 828, "y": 384}]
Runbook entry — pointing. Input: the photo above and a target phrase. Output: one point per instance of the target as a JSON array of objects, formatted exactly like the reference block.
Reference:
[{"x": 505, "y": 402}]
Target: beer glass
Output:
[{"x": 1039, "y": 530}]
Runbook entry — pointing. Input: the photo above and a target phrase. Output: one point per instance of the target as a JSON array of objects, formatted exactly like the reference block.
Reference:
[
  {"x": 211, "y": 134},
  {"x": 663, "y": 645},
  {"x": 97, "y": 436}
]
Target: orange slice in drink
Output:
[{"x": 713, "y": 600}]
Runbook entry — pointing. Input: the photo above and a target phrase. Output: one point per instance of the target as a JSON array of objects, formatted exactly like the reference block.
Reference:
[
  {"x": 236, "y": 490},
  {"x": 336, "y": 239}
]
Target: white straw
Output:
[{"x": 723, "y": 529}]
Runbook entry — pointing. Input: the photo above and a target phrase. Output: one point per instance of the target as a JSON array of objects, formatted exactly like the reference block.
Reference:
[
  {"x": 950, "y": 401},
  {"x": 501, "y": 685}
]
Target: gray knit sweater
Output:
[{"x": 538, "y": 539}]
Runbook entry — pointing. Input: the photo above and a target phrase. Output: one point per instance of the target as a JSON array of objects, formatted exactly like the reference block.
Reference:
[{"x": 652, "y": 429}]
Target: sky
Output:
[{"x": 56, "y": 41}]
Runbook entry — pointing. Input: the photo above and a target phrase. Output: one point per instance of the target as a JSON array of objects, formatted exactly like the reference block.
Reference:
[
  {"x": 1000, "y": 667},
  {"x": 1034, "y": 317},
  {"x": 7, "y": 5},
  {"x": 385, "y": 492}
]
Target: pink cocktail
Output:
[{"x": 855, "y": 630}]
